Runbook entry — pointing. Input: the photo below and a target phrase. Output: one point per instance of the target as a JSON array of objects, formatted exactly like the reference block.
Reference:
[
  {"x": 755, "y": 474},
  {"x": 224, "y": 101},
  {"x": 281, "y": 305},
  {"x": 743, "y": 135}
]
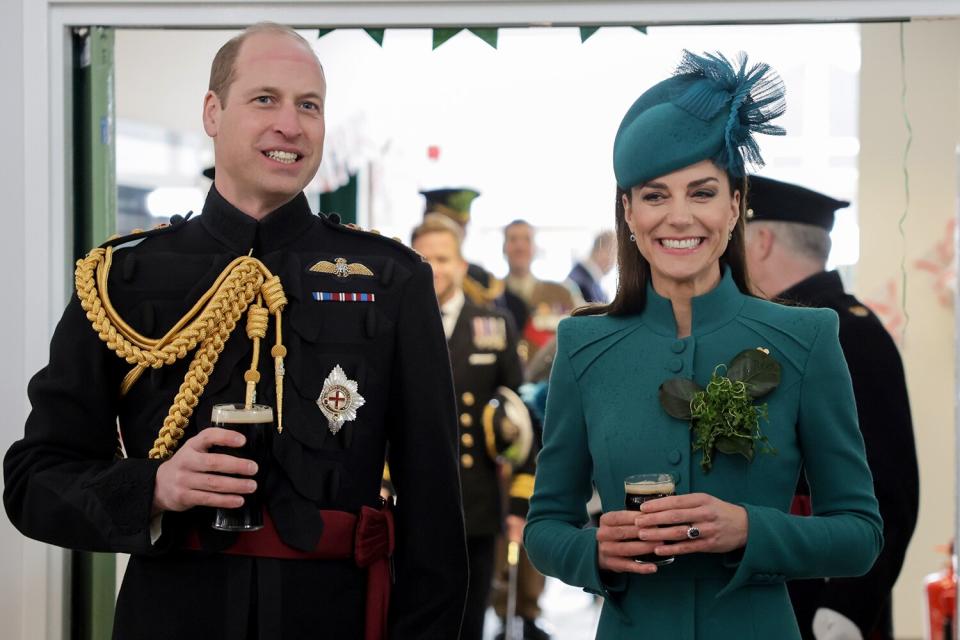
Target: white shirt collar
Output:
[{"x": 450, "y": 311}]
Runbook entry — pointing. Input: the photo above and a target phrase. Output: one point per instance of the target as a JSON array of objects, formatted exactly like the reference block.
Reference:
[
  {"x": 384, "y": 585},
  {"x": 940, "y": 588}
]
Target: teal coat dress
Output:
[{"x": 604, "y": 422}]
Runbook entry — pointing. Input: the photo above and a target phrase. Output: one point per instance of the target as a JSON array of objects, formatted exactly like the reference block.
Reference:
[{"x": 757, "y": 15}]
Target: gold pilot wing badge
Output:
[
  {"x": 339, "y": 399},
  {"x": 341, "y": 268}
]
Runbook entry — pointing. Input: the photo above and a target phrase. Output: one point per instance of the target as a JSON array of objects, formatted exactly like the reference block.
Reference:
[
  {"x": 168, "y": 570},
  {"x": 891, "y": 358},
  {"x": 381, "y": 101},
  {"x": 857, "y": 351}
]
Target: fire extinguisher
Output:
[{"x": 940, "y": 591}]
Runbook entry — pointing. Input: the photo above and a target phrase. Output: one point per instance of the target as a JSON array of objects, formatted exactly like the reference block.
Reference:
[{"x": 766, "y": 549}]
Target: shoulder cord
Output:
[{"x": 209, "y": 323}]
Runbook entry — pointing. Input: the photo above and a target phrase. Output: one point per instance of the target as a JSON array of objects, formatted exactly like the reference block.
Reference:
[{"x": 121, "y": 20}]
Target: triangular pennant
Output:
[
  {"x": 322, "y": 32},
  {"x": 641, "y": 29},
  {"x": 376, "y": 34},
  {"x": 586, "y": 32},
  {"x": 442, "y": 35},
  {"x": 487, "y": 35}
]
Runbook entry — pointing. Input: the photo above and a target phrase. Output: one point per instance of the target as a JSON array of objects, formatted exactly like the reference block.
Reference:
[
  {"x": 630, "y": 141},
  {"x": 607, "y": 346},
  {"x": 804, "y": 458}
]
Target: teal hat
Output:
[{"x": 708, "y": 110}]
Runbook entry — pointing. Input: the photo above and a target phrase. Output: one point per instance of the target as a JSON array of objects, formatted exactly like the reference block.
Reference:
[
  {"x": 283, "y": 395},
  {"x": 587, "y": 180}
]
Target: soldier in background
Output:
[
  {"x": 479, "y": 284},
  {"x": 788, "y": 242},
  {"x": 587, "y": 274},
  {"x": 547, "y": 302},
  {"x": 493, "y": 419}
]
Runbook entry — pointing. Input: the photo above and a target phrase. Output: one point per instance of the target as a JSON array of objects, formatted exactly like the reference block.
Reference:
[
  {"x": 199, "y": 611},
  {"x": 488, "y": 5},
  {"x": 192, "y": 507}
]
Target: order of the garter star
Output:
[{"x": 339, "y": 399}]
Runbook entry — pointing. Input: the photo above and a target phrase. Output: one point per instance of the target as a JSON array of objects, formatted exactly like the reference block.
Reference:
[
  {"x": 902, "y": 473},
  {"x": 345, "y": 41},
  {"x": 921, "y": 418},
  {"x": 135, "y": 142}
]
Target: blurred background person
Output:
[
  {"x": 547, "y": 302},
  {"x": 493, "y": 420},
  {"x": 481, "y": 286},
  {"x": 587, "y": 274},
  {"x": 788, "y": 243}
]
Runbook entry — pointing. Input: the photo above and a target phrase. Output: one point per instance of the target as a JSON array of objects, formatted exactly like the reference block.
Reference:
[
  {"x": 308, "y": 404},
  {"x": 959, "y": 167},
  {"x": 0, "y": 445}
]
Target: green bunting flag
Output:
[
  {"x": 376, "y": 34},
  {"x": 488, "y": 35},
  {"x": 322, "y": 32},
  {"x": 442, "y": 35},
  {"x": 586, "y": 32}
]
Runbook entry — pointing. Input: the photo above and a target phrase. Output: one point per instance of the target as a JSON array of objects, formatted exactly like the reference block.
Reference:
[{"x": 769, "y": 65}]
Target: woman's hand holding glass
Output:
[
  {"x": 720, "y": 526},
  {"x": 622, "y": 535}
]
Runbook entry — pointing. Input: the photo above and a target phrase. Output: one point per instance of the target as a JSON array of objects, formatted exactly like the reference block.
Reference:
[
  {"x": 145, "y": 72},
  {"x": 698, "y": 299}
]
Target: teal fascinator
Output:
[{"x": 709, "y": 109}]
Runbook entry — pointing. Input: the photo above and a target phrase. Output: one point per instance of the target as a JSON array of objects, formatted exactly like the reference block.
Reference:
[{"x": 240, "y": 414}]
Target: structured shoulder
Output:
[
  {"x": 803, "y": 323},
  {"x": 176, "y": 224},
  {"x": 394, "y": 247}
]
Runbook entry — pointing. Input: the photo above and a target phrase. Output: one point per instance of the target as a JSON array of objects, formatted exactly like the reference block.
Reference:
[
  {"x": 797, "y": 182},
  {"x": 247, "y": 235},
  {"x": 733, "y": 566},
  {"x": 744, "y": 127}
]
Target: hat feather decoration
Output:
[{"x": 754, "y": 95}]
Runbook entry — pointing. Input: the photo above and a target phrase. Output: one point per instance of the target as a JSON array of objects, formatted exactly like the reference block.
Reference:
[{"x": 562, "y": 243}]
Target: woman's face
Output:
[{"x": 682, "y": 222}]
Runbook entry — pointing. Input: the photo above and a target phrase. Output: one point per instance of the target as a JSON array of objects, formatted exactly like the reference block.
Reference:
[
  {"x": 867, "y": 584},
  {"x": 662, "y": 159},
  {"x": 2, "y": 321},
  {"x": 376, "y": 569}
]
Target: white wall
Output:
[{"x": 933, "y": 108}]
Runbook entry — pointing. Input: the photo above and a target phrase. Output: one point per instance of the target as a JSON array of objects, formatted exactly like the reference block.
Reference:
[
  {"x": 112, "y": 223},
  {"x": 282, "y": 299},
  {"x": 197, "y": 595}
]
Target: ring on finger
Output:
[{"x": 693, "y": 532}]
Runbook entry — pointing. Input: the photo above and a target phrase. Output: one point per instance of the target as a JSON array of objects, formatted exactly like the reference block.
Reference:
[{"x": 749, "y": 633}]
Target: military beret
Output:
[
  {"x": 709, "y": 109},
  {"x": 453, "y": 202},
  {"x": 769, "y": 199}
]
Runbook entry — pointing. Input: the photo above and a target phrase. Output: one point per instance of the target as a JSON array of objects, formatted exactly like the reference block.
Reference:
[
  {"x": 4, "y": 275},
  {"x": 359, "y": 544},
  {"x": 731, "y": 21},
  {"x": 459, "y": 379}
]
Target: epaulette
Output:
[
  {"x": 332, "y": 220},
  {"x": 176, "y": 223}
]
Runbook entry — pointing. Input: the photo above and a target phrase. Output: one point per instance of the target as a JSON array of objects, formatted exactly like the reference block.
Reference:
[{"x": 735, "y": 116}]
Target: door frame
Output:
[{"x": 47, "y": 130}]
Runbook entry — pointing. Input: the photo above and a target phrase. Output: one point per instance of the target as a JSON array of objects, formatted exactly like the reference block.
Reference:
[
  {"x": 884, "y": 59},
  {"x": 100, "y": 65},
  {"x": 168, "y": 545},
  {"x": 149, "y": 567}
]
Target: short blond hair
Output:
[
  {"x": 223, "y": 68},
  {"x": 439, "y": 223}
]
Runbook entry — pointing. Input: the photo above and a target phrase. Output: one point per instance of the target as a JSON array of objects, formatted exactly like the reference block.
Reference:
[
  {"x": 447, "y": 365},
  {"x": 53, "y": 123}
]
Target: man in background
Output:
[
  {"x": 486, "y": 375},
  {"x": 587, "y": 274},
  {"x": 479, "y": 284},
  {"x": 547, "y": 302},
  {"x": 788, "y": 242}
]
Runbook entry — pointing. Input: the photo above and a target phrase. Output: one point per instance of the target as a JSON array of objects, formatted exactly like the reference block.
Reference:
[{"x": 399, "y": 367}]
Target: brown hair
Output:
[
  {"x": 438, "y": 223},
  {"x": 223, "y": 71},
  {"x": 634, "y": 270}
]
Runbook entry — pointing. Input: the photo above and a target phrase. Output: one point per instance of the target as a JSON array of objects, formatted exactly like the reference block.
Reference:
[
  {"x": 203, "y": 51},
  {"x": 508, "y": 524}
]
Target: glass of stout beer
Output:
[
  {"x": 253, "y": 423},
  {"x": 648, "y": 486}
]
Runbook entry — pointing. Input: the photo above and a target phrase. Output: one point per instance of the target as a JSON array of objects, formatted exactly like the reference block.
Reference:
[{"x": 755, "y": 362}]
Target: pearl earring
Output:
[{"x": 633, "y": 238}]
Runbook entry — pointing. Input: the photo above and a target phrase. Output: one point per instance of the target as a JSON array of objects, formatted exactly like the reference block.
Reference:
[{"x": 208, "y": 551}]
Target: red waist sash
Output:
[{"x": 366, "y": 538}]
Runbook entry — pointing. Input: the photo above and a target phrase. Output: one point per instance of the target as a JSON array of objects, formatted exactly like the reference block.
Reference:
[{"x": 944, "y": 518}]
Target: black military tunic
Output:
[
  {"x": 884, "y": 411},
  {"x": 63, "y": 485},
  {"x": 483, "y": 353}
]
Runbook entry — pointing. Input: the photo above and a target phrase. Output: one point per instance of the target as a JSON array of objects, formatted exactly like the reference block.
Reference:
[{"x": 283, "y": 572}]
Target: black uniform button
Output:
[
  {"x": 466, "y": 440},
  {"x": 467, "y": 398},
  {"x": 466, "y": 419},
  {"x": 675, "y": 365},
  {"x": 678, "y": 346},
  {"x": 466, "y": 461},
  {"x": 674, "y": 457}
]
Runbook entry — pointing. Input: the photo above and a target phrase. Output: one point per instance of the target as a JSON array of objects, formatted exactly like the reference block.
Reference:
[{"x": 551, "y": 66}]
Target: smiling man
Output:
[{"x": 356, "y": 342}]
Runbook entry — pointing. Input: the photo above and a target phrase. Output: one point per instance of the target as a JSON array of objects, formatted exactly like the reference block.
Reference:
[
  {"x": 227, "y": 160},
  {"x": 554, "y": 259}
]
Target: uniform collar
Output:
[
  {"x": 815, "y": 289},
  {"x": 711, "y": 310},
  {"x": 241, "y": 233}
]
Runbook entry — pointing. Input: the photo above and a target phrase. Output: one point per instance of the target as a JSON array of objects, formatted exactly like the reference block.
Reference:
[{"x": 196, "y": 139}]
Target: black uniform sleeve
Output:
[
  {"x": 63, "y": 482},
  {"x": 884, "y": 411},
  {"x": 431, "y": 554}
]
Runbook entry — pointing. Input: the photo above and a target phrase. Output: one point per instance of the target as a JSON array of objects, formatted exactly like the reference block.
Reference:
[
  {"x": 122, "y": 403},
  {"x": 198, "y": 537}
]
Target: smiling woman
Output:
[{"x": 683, "y": 310}]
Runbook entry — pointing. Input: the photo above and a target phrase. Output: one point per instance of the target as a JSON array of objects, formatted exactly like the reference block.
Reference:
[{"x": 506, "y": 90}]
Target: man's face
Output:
[
  {"x": 518, "y": 247},
  {"x": 449, "y": 268},
  {"x": 268, "y": 134}
]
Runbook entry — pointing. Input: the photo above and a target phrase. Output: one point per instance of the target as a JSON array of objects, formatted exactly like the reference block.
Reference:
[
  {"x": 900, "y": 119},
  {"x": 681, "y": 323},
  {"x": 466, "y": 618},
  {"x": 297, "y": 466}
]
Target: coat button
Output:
[
  {"x": 675, "y": 365},
  {"x": 466, "y": 461},
  {"x": 466, "y": 419},
  {"x": 467, "y": 399},
  {"x": 674, "y": 457},
  {"x": 466, "y": 440},
  {"x": 678, "y": 346}
]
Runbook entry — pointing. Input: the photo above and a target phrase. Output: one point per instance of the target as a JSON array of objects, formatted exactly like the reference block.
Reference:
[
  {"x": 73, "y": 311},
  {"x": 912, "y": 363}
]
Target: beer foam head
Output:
[
  {"x": 238, "y": 414},
  {"x": 650, "y": 487}
]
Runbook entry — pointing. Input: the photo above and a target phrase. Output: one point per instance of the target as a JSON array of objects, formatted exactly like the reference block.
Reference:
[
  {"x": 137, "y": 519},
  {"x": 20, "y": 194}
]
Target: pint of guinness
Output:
[
  {"x": 254, "y": 423},
  {"x": 648, "y": 486}
]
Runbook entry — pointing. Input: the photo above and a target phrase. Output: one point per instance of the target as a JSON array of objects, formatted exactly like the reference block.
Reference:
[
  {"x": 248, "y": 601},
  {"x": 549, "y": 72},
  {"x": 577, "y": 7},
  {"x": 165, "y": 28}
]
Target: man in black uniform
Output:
[
  {"x": 788, "y": 243},
  {"x": 486, "y": 374},
  {"x": 360, "y": 362}
]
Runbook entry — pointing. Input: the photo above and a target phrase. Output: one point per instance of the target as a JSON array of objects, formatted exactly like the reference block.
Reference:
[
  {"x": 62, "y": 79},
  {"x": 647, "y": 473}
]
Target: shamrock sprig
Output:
[{"x": 723, "y": 416}]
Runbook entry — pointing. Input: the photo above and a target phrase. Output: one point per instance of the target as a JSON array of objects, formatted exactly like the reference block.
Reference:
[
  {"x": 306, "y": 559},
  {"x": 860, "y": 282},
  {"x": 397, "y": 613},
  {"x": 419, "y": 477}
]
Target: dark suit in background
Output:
[{"x": 884, "y": 412}]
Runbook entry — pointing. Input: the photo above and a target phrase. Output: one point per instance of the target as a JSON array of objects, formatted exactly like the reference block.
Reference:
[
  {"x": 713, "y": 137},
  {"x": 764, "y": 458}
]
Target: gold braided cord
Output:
[{"x": 209, "y": 324}]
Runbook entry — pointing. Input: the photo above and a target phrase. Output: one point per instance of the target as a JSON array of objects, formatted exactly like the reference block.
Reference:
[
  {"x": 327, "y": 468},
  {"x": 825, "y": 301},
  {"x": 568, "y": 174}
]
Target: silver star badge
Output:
[{"x": 339, "y": 399}]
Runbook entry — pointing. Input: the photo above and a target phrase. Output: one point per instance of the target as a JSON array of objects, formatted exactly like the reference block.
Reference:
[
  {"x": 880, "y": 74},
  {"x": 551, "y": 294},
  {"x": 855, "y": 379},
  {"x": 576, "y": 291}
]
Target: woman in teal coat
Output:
[{"x": 626, "y": 394}]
